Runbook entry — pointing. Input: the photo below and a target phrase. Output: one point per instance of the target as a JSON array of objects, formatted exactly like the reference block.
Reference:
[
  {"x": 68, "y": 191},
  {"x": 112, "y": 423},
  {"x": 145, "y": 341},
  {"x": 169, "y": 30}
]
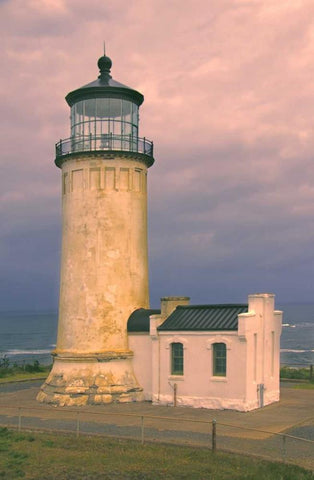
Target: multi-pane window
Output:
[
  {"x": 219, "y": 359},
  {"x": 104, "y": 116},
  {"x": 176, "y": 359}
]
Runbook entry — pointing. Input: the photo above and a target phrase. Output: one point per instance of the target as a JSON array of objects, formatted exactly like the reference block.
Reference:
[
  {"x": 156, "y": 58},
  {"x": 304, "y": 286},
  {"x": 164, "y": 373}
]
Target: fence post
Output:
[
  {"x": 214, "y": 436},
  {"x": 142, "y": 430},
  {"x": 175, "y": 395},
  {"x": 20, "y": 420},
  {"x": 284, "y": 450},
  {"x": 78, "y": 425},
  {"x": 311, "y": 372}
]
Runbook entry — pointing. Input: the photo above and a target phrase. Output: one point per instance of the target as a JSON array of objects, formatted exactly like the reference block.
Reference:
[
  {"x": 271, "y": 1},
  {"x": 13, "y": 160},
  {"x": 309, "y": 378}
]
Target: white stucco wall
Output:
[
  {"x": 141, "y": 345},
  {"x": 262, "y": 334},
  {"x": 198, "y": 387},
  {"x": 253, "y": 359}
]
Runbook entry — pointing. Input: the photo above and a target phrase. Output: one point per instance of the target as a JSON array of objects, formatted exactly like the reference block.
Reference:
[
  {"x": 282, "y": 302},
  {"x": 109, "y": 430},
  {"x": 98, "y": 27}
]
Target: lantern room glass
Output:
[{"x": 104, "y": 116}]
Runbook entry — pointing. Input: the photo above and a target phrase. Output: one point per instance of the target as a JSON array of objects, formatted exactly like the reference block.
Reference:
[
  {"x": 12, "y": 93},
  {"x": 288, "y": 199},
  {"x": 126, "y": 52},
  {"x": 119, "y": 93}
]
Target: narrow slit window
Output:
[
  {"x": 176, "y": 359},
  {"x": 219, "y": 359}
]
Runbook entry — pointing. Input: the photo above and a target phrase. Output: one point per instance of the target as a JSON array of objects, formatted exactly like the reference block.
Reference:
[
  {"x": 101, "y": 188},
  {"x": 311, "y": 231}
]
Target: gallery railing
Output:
[{"x": 104, "y": 142}]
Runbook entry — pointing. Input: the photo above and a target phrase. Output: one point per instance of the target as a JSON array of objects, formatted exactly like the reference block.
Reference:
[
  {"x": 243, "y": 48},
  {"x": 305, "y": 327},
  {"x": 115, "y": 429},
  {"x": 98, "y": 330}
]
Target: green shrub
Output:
[
  {"x": 35, "y": 367},
  {"x": 295, "y": 373},
  {"x": 4, "y": 362},
  {"x": 7, "y": 370}
]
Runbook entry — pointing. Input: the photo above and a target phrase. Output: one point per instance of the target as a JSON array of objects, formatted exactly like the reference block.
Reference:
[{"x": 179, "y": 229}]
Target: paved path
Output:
[{"x": 294, "y": 414}]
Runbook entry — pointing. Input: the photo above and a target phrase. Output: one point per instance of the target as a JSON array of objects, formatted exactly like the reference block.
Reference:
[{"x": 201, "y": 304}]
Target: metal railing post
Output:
[
  {"x": 284, "y": 449},
  {"x": 214, "y": 435},
  {"x": 78, "y": 425},
  {"x": 20, "y": 420},
  {"x": 142, "y": 430},
  {"x": 108, "y": 141}
]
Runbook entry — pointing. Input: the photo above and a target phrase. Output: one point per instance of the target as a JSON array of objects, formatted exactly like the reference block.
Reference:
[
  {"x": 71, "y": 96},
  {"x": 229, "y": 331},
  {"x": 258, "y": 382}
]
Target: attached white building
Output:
[{"x": 210, "y": 356}]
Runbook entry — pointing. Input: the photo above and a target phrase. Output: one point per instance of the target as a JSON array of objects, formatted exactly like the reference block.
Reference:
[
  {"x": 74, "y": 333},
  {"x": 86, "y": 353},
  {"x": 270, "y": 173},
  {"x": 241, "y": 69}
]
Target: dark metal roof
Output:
[
  {"x": 104, "y": 86},
  {"x": 204, "y": 317},
  {"x": 139, "y": 319}
]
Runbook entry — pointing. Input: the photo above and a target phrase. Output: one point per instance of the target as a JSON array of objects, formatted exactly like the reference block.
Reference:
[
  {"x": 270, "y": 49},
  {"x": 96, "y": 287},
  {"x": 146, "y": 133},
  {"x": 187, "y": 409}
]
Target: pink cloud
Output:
[{"x": 228, "y": 102}]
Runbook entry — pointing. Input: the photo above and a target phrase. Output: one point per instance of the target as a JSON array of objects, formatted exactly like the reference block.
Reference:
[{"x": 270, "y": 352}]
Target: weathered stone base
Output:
[{"x": 91, "y": 380}]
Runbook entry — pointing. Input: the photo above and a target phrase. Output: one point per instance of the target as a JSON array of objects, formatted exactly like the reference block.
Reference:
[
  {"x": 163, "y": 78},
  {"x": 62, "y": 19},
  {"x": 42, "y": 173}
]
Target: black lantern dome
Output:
[
  {"x": 104, "y": 117},
  {"x": 104, "y": 86}
]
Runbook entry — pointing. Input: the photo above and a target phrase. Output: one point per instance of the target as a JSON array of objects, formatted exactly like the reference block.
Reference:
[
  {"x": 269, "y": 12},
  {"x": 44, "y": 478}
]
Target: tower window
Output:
[
  {"x": 176, "y": 359},
  {"x": 219, "y": 359}
]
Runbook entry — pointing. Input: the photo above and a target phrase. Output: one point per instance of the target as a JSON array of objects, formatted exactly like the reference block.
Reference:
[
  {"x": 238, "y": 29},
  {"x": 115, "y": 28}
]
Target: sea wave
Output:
[
  {"x": 299, "y": 325},
  {"x": 26, "y": 352},
  {"x": 288, "y": 350}
]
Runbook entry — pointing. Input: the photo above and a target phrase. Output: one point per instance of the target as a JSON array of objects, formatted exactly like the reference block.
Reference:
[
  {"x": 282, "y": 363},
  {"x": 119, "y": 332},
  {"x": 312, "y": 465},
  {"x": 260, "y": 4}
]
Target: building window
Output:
[
  {"x": 176, "y": 359},
  {"x": 219, "y": 359}
]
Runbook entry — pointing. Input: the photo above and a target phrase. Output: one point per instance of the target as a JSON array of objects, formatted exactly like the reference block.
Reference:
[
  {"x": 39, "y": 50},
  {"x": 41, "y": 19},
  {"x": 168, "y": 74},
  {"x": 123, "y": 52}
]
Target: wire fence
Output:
[{"x": 175, "y": 430}]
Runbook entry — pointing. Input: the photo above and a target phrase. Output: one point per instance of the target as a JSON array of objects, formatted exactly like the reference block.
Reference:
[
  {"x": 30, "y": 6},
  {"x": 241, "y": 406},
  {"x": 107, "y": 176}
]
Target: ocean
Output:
[
  {"x": 297, "y": 337},
  {"x": 27, "y": 336}
]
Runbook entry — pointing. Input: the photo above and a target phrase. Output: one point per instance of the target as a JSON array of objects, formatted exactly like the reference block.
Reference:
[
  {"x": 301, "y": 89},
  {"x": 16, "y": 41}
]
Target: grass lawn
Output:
[
  {"x": 18, "y": 376},
  {"x": 304, "y": 386},
  {"x": 42, "y": 456},
  {"x": 13, "y": 373}
]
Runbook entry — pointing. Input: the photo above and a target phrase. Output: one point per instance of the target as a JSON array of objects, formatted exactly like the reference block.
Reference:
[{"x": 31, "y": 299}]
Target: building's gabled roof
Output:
[
  {"x": 204, "y": 317},
  {"x": 139, "y": 319}
]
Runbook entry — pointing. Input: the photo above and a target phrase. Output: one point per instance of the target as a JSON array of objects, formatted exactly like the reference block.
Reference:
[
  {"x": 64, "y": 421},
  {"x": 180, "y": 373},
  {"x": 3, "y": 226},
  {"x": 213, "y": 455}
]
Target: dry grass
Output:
[{"x": 42, "y": 456}]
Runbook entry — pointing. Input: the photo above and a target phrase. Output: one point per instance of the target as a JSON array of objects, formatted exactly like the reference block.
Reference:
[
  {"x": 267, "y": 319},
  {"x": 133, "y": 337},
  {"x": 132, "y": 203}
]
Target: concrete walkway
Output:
[
  {"x": 251, "y": 432},
  {"x": 296, "y": 407}
]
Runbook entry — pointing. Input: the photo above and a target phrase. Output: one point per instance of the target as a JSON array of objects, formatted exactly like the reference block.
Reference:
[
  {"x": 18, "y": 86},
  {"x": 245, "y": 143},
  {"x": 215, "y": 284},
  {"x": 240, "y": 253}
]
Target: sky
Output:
[{"x": 229, "y": 102}]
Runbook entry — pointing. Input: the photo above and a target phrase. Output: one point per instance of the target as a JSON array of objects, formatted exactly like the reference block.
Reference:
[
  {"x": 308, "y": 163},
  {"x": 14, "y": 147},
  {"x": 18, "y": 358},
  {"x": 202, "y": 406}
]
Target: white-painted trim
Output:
[
  {"x": 176, "y": 339},
  {"x": 217, "y": 378},
  {"x": 203, "y": 333},
  {"x": 176, "y": 378},
  {"x": 218, "y": 339}
]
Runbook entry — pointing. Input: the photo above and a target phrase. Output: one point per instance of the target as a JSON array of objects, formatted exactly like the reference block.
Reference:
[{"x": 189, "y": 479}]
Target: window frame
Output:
[
  {"x": 219, "y": 360},
  {"x": 177, "y": 357}
]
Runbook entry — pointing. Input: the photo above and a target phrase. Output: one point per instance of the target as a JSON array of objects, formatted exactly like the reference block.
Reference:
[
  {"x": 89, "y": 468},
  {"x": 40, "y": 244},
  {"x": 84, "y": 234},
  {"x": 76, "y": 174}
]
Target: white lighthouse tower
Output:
[{"x": 104, "y": 264}]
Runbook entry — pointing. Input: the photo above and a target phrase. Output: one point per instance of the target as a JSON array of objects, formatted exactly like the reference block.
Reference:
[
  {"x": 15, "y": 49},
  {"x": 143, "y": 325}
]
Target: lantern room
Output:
[{"x": 104, "y": 117}]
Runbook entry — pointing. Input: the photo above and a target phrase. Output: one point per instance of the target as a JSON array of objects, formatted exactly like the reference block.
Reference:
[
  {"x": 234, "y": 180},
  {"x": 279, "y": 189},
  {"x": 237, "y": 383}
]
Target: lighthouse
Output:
[{"x": 104, "y": 259}]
